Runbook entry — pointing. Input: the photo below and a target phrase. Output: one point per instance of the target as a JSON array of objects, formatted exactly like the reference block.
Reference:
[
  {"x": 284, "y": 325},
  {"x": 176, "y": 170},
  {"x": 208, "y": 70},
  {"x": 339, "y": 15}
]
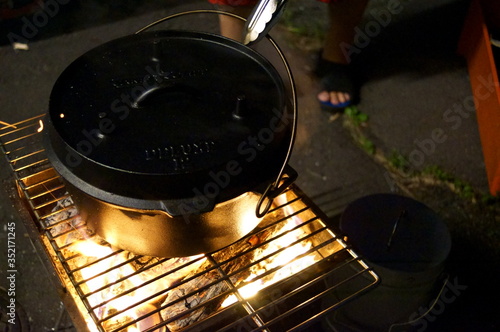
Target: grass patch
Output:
[
  {"x": 367, "y": 145},
  {"x": 462, "y": 188},
  {"x": 355, "y": 119},
  {"x": 398, "y": 161},
  {"x": 307, "y": 22},
  {"x": 358, "y": 118},
  {"x": 296, "y": 20}
]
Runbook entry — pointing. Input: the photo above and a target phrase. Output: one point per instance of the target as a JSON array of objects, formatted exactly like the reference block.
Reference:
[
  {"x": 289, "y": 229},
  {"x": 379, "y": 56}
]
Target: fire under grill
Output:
[{"x": 285, "y": 275}]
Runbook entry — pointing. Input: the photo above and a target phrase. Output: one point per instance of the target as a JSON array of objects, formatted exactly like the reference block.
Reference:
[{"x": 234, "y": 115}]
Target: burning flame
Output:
[
  {"x": 285, "y": 261},
  {"x": 252, "y": 288},
  {"x": 108, "y": 294},
  {"x": 96, "y": 279}
]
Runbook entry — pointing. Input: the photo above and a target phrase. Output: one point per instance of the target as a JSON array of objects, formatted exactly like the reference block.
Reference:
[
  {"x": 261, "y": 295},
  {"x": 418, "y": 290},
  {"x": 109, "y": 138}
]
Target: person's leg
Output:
[
  {"x": 344, "y": 16},
  {"x": 231, "y": 27}
]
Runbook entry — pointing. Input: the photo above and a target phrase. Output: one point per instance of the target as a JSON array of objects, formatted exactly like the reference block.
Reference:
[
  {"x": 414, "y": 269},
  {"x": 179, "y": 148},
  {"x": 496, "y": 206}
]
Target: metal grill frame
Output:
[{"x": 41, "y": 188}]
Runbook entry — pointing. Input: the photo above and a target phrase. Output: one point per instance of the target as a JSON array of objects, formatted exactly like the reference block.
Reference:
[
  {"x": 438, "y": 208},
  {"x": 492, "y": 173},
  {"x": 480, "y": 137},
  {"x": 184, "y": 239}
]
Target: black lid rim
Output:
[{"x": 88, "y": 141}]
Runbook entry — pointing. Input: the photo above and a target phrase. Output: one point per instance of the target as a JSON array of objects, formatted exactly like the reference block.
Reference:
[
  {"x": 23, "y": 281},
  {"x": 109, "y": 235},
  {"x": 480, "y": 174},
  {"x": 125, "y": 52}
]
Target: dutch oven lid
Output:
[
  {"x": 396, "y": 232},
  {"x": 161, "y": 114}
]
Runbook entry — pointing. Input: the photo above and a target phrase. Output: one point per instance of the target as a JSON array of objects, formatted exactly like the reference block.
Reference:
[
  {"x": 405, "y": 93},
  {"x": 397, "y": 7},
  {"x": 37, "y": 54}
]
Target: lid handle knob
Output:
[
  {"x": 241, "y": 107},
  {"x": 395, "y": 228}
]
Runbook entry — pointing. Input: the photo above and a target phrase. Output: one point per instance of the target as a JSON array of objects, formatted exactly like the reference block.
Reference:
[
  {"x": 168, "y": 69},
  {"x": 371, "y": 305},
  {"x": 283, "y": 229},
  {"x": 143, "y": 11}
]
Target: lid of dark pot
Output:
[
  {"x": 170, "y": 114},
  {"x": 396, "y": 232}
]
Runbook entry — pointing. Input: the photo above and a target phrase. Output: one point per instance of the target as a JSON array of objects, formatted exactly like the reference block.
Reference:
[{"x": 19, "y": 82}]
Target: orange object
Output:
[{"x": 475, "y": 45}]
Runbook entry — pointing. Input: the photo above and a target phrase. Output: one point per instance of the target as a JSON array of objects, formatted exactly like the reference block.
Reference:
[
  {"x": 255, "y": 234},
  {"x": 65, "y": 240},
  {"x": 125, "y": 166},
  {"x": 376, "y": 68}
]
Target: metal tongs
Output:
[{"x": 263, "y": 17}]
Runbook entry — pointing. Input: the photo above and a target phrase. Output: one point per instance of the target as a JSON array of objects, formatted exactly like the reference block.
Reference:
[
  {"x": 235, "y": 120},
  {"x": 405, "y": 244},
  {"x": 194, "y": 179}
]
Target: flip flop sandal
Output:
[{"x": 336, "y": 77}]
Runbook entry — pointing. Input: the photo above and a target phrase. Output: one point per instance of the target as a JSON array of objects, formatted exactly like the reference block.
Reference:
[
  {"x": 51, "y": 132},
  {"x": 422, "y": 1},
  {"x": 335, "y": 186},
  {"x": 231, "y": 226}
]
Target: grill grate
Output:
[{"x": 115, "y": 290}]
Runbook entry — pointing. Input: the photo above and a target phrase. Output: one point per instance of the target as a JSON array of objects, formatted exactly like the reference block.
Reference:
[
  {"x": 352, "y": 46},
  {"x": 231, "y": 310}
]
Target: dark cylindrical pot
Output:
[
  {"x": 406, "y": 244},
  {"x": 167, "y": 139}
]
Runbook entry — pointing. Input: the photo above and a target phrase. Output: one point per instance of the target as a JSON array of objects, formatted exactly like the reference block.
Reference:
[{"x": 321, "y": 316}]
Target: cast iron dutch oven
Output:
[{"x": 168, "y": 140}]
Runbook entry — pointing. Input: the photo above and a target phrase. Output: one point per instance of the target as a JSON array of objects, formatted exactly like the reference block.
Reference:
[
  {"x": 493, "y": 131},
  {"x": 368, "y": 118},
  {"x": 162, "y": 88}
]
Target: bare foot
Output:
[{"x": 334, "y": 97}]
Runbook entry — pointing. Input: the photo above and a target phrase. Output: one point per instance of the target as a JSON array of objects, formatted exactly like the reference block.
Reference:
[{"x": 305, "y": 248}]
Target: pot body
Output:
[{"x": 156, "y": 233}]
